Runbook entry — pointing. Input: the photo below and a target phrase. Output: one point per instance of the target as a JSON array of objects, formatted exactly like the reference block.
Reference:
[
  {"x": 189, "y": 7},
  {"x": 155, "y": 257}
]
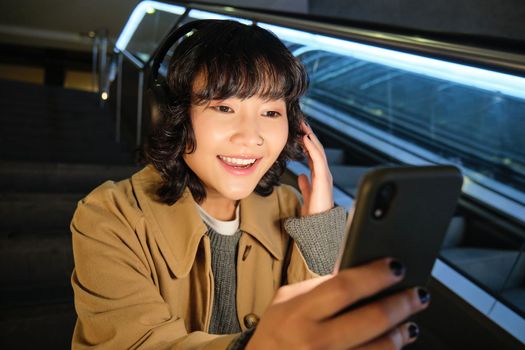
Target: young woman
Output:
[{"x": 203, "y": 248}]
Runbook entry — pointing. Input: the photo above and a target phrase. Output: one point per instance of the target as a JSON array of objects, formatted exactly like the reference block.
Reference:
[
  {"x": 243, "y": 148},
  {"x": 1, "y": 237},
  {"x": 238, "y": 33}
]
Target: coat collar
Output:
[{"x": 179, "y": 227}]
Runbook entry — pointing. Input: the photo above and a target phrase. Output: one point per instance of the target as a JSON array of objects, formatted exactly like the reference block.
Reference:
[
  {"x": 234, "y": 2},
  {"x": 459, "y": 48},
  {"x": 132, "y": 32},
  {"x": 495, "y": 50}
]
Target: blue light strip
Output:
[
  {"x": 512, "y": 322},
  {"x": 198, "y": 14},
  {"x": 466, "y": 75},
  {"x": 138, "y": 14}
]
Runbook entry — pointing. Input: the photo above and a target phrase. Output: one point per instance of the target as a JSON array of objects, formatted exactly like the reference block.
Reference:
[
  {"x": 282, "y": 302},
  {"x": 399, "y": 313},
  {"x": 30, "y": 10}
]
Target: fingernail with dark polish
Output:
[
  {"x": 424, "y": 295},
  {"x": 397, "y": 267},
  {"x": 413, "y": 330}
]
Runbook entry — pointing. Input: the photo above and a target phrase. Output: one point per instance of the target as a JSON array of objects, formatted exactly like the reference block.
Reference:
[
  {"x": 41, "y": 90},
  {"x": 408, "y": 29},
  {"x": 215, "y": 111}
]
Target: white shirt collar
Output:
[{"x": 227, "y": 228}]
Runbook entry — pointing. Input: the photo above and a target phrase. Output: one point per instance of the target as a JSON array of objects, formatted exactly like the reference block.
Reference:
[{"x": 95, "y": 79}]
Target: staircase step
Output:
[
  {"x": 44, "y": 326},
  {"x": 65, "y": 121},
  {"x": 23, "y": 212},
  {"x": 54, "y": 143},
  {"x": 69, "y": 155},
  {"x": 62, "y": 140},
  {"x": 59, "y": 177},
  {"x": 44, "y": 263},
  {"x": 57, "y": 136},
  {"x": 45, "y": 116}
]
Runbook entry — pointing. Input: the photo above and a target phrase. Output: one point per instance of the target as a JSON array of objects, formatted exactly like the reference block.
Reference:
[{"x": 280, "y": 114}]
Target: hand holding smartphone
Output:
[{"x": 403, "y": 213}]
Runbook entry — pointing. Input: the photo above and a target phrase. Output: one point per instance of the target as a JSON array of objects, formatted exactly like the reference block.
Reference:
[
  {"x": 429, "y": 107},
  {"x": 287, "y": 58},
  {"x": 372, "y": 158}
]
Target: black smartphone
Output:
[{"x": 401, "y": 212}]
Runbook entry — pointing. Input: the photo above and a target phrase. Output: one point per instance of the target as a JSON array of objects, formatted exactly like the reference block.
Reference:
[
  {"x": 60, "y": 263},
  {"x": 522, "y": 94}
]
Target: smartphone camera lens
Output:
[
  {"x": 378, "y": 213},
  {"x": 384, "y": 197},
  {"x": 387, "y": 192}
]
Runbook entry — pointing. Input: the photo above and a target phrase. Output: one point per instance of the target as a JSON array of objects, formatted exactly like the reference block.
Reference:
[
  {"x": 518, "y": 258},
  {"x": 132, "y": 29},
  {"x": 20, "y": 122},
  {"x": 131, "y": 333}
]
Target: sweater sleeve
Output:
[{"x": 318, "y": 237}]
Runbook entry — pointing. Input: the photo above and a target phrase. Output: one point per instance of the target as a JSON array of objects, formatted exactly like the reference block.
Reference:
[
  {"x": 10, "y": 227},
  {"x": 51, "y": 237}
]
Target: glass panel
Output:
[
  {"x": 149, "y": 22},
  {"x": 435, "y": 111},
  {"x": 152, "y": 29}
]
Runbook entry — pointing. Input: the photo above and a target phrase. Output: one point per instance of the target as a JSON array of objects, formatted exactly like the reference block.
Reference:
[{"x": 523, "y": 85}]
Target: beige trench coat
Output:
[{"x": 143, "y": 278}]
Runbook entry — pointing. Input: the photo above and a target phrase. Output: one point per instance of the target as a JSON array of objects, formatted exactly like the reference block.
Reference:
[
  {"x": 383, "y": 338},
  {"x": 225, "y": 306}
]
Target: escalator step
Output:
[
  {"x": 335, "y": 156},
  {"x": 347, "y": 177}
]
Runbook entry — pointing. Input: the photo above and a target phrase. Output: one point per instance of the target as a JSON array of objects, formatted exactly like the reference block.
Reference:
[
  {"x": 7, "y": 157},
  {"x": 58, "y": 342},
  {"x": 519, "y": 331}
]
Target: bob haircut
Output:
[{"x": 233, "y": 60}]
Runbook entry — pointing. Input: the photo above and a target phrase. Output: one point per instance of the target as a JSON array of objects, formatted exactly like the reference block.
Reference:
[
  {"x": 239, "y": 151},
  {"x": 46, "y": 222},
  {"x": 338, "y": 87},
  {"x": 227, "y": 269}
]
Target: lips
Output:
[
  {"x": 239, "y": 165},
  {"x": 239, "y": 162}
]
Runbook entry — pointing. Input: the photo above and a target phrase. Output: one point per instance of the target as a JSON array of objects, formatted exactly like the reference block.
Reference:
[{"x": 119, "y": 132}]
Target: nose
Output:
[{"x": 247, "y": 132}]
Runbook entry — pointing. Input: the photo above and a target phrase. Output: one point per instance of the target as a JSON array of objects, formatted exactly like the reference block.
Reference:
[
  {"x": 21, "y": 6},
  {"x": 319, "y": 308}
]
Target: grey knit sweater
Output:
[
  {"x": 317, "y": 236},
  {"x": 223, "y": 264}
]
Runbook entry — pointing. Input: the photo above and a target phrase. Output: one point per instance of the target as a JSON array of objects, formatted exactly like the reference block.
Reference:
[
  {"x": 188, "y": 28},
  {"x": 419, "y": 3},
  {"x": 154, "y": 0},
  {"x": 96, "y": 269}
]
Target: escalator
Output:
[
  {"x": 383, "y": 99},
  {"x": 375, "y": 99}
]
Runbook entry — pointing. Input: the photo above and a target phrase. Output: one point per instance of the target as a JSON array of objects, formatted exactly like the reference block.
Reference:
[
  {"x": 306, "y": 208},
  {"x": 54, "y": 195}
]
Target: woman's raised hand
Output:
[
  {"x": 307, "y": 315},
  {"x": 317, "y": 196}
]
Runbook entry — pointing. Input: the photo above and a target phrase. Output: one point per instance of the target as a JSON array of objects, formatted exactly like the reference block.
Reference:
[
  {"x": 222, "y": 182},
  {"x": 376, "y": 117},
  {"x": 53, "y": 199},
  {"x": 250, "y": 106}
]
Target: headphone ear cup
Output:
[
  {"x": 158, "y": 100},
  {"x": 158, "y": 93}
]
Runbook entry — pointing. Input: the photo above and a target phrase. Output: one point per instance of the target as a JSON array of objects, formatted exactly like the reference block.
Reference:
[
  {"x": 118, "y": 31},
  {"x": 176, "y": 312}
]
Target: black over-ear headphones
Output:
[{"x": 157, "y": 85}]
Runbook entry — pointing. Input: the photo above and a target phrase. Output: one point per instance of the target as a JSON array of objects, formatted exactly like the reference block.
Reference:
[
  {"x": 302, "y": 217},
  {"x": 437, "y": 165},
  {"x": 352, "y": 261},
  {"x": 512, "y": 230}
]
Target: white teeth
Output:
[{"x": 238, "y": 161}]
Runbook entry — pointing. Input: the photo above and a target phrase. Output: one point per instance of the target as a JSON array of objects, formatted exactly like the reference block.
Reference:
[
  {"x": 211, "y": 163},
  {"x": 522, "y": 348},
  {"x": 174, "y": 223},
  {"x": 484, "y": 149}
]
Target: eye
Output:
[
  {"x": 272, "y": 114},
  {"x": 223, "y": 109}
]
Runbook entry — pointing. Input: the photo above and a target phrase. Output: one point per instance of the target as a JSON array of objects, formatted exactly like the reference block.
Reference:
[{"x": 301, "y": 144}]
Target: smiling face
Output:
[
  {"x": 237, "y": 141},
  {"x": 208, "y": 149}
]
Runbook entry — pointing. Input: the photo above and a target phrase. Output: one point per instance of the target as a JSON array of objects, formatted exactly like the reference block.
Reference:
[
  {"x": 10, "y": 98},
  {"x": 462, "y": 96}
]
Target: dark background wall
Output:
[
  {"x": 65, "y": 24},
  {"x": 495, "y": 18}
]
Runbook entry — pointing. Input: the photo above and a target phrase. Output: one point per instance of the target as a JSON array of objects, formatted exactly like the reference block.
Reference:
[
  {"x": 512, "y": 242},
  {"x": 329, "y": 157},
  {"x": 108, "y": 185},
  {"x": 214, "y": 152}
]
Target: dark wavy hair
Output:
[{"x": 235, "y": 60}]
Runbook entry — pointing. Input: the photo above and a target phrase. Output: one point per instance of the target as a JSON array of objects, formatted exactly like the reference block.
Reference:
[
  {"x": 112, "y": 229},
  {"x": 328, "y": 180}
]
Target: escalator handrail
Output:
[{"x": 499, "y": 60}]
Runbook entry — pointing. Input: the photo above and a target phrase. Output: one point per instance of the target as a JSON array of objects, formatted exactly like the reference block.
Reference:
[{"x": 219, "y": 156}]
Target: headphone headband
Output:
[{"x": 168, "y": 42}]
